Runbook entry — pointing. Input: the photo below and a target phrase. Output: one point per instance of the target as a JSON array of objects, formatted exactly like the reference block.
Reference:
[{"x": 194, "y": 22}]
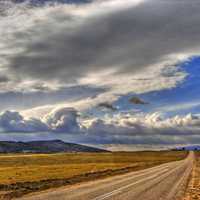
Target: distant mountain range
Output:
[
  {"x": 51, "y": 146},
  {"x": 189, "y": 148}
]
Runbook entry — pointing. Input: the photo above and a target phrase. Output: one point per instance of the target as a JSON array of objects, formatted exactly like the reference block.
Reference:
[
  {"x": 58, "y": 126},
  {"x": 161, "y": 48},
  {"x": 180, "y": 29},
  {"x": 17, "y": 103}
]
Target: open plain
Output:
[{"x": 21, "y": 174}]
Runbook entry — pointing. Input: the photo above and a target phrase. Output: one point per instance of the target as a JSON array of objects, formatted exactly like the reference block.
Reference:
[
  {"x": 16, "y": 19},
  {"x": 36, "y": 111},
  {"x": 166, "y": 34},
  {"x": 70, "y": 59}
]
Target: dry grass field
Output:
[{"x": 24, "y": 173}]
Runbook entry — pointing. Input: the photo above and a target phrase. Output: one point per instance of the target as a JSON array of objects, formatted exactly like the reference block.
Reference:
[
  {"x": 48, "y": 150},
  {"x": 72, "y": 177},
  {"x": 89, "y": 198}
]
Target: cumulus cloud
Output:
[
  {"x": 144, "y": 129},
  {"x": 118, "y": 129},
  {"x": 11, "y": 121},
  {"x": 62, "y": 120}
]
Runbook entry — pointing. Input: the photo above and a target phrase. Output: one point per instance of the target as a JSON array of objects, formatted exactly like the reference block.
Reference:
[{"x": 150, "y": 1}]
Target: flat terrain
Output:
[
  {"x": 167, "y": 182},
  {"x": 25, "y": 173}
]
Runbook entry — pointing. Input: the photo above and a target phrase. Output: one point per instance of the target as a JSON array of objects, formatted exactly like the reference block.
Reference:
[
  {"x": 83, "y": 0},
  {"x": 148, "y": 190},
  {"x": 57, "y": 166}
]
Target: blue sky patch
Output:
[{"x": 176, "y": 101}]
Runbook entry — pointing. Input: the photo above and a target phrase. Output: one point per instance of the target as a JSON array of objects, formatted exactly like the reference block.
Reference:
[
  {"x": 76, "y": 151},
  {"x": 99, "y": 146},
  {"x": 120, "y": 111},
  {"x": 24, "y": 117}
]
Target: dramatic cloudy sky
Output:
[{"x": 117, "y": 74}]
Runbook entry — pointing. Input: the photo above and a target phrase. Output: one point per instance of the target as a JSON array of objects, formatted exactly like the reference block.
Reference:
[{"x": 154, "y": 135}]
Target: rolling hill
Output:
[{"x": 50, "y": 146}]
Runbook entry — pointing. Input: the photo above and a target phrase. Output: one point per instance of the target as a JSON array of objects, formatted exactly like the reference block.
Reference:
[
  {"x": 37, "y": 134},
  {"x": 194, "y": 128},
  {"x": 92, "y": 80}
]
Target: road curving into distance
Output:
[{"x": 166, "y": 182}]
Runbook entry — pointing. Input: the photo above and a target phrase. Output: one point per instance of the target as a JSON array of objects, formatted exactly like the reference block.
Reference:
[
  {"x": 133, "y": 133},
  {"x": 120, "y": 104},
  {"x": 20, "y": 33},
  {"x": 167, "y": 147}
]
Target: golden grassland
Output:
[{"x": 24, "y": 173}]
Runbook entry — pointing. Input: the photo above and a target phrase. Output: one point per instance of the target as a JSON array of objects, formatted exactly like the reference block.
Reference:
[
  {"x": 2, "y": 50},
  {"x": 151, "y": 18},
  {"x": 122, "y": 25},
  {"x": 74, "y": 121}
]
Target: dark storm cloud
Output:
[
  {"x": 4, "y": 79},
  {"x": 67, "y": 47}
]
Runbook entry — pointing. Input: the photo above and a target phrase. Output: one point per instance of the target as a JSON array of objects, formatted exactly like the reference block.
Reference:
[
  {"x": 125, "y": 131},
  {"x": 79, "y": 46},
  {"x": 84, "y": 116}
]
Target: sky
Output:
[{"x": 121, "y": 75}]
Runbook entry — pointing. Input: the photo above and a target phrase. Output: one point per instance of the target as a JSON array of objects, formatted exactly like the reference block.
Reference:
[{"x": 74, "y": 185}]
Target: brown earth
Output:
[{"x": 193, "y": 190}]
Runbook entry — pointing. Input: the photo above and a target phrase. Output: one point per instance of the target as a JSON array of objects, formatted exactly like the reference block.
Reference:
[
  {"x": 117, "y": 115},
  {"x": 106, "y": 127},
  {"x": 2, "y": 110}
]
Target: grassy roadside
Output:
[
  {"x": 22, "y": 174},
  {"x": 193, "y": 189}
]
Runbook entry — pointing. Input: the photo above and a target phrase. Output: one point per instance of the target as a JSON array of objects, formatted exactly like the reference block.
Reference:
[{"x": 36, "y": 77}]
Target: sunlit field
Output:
[{"x": 24, "y": 173}]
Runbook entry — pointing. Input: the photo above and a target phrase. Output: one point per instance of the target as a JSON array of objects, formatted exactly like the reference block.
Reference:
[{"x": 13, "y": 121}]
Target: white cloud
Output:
[
  {"x": 11, "y": 121},
  {"x": 63, "y": 120},
  {"x": 121, "y": 46},
  {"x": 120, "y": 129},
  {"x": 144, "y": 129}
]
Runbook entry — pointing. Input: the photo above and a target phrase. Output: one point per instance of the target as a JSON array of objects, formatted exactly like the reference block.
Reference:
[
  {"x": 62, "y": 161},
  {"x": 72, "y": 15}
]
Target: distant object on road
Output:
[{"x": 48, "y": 146}]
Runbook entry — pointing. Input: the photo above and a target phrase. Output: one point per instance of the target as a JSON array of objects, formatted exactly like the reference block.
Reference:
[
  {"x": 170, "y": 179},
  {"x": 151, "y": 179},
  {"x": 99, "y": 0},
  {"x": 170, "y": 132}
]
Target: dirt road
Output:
[{"x": 164, "y": 182}]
